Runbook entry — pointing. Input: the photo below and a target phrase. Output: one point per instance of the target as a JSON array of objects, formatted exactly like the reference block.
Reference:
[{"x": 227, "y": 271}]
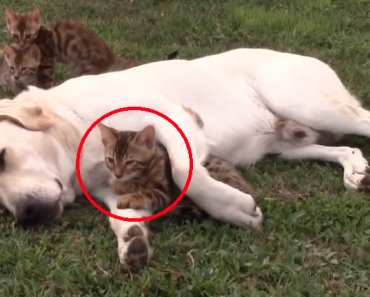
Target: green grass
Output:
[{"x": 316, "y": 240}]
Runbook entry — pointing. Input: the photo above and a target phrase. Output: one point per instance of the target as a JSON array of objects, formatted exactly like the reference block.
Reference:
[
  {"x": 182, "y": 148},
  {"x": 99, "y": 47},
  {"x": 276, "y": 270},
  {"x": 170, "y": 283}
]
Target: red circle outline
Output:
[{"x": 78, "y": 156}]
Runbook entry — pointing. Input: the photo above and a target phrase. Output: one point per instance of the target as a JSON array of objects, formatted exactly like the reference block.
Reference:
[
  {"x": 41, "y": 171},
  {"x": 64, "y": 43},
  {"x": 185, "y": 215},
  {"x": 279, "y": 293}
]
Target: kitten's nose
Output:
[{"x": 118, "y": 175}]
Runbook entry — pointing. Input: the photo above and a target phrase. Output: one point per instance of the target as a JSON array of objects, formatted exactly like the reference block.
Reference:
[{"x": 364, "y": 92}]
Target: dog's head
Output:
[{"x": 31, "y": 186}]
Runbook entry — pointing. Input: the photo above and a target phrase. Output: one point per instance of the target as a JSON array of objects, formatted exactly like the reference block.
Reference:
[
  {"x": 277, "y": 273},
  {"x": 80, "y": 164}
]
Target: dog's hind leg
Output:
[
  {"x": 356, "y": 169},
  {"x": 312, "y": 95},
  {"x": 334, "y": 118}
]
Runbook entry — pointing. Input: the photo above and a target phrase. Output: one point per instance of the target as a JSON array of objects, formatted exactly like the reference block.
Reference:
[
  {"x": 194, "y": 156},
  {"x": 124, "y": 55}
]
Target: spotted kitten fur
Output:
[
  {"x": 5, "y": 79},
  {"x": 138, "y": 164},
  {"x": 18, "y": 67},
  {"x": 68, "y": 42}
]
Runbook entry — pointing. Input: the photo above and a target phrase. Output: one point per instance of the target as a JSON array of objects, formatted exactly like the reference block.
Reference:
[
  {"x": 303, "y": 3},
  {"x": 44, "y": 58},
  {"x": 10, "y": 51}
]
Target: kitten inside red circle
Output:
[{"x": 123, "y": 110}]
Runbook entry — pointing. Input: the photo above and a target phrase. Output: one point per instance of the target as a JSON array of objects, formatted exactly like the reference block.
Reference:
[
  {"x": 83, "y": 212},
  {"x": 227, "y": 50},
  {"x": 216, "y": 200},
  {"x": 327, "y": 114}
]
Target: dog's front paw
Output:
[
  {"x": 134, "y": 240},
  {"x": 356, "y": 170},
  {"x": 135, "y": 248},
  {"x": 139, "y": 249},
  {"x": 242, "y": 211}
]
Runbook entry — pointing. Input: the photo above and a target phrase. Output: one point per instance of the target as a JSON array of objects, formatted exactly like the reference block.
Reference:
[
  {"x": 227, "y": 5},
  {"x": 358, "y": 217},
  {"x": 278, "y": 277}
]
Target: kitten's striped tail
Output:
[
  {"x": 122, "y": 63},
  {"x": 197, "y": 118},
  {"x": 172, "y": 55}
]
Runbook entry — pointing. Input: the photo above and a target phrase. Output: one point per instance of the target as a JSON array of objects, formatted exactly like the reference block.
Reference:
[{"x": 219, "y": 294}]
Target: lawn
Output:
[{"x": 316, "y": 240}]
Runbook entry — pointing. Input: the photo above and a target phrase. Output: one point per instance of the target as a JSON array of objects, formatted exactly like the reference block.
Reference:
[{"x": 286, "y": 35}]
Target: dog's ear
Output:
[{"x": 30, "y": 117}]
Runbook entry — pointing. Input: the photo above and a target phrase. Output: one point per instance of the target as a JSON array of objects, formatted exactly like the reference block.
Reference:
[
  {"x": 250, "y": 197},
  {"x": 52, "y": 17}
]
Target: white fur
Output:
[{"x": 239, "y": 95}]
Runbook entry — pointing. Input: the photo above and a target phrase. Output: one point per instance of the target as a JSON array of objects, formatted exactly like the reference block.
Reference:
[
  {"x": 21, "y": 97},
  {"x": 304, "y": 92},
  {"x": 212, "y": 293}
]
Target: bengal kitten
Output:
[
  {"x": 5, "y": 78},
  {"x": 67, "y": 42},
  {"x": 144, "y": 176},
  {"x": 138, "y": 163},
  {"x": 18, "y": 67}
]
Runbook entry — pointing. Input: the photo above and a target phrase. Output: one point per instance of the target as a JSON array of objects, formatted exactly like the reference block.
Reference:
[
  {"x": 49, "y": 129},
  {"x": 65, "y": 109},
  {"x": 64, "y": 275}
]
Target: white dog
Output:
[{"x": 253, "y": 102}]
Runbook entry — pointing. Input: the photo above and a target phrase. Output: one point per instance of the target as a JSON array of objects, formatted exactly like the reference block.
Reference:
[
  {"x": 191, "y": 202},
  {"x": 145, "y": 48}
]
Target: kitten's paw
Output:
[
  {"x": 123, "y": 203},
  {"x": 132, "y": 202},
  {"x": 116, "y": 186},
  {"x": 128, "y": 201}
]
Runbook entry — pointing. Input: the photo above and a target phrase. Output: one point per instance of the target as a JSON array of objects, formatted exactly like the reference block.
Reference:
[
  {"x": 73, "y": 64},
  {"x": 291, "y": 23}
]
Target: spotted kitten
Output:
[
  {"x": 68, "y": 42},
  {"x": 18, "y": 67},
  {"x": 138, "y": 163},
  {"x": 26, "y": 29},
  {"x": 5, "y": 78}
]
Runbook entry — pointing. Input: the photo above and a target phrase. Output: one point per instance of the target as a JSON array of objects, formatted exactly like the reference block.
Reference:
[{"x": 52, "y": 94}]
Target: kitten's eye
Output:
[
  {"x": 109, "y": 160},
  {"x": 25, "y": 69},
  {"x": 28, "y": 36},
  {"x": 130, "y": 162},
  {"x": 15, "y": 36},
  {"x": 11, "y": 68}
]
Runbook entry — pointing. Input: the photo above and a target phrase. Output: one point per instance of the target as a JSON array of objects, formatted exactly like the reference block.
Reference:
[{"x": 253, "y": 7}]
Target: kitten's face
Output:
[
  {"x": 23, "y": 27},
  {"x": 127, "y": 154},
  {"x": 23, "y": 65}
]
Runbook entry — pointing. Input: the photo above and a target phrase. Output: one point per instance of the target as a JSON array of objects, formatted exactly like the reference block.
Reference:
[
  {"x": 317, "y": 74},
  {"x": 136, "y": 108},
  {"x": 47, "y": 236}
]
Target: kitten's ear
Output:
[
  {"x": 10, "y": 16},
  {"x": 35, "y": 52},
  {"x": 8, "y": 51},
  {"x": 108, "y": 135},
  {"x": 146, "y": 137},
  {"x": 36, "y": 15}
]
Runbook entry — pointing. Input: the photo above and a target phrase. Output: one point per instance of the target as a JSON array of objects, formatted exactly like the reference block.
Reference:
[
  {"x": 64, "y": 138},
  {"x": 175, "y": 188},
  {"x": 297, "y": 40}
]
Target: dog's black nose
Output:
[{"x": 33, "y": 211}]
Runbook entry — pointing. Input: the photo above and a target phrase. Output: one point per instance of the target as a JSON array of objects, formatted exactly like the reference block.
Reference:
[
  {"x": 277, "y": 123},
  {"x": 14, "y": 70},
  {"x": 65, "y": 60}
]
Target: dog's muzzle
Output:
[{"x": 36, "y": 211}]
